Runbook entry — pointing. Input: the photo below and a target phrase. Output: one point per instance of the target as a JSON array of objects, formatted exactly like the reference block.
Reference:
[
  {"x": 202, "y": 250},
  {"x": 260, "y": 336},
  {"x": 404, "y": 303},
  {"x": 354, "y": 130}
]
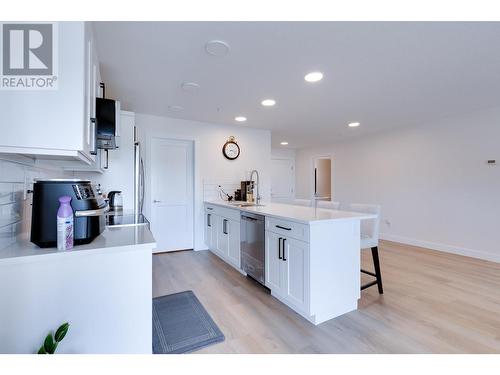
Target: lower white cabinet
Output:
[
  {"x": 211, "y": 230},
  {"x": 287, "y": 270},
  {"x": 222, "y": 236},
  {"x": 228, "y": 240},
  {"x": 310, "y": 266}
]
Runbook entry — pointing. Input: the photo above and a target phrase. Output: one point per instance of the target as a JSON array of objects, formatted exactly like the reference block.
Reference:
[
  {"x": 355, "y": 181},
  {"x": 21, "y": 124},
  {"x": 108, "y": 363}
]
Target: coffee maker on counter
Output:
[{"x": 247, "y": 191}]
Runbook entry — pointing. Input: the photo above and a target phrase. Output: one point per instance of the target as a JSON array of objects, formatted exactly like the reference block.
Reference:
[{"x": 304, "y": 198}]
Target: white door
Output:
[
  {"x": 295, "y": 272},
  {"x": 282, "y": 178},
  {"x": 274, "y": 261},
  {"x": 172, "y": 194}
]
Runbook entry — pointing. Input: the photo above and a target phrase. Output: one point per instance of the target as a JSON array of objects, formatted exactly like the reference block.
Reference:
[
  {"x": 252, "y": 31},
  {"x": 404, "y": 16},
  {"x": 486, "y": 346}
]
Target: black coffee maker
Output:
[{"x": 89, "y": 211}]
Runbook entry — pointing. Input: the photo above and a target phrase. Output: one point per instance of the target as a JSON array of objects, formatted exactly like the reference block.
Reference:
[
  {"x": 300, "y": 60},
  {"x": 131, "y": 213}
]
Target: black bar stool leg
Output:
[{"x": 376, "y": 264}]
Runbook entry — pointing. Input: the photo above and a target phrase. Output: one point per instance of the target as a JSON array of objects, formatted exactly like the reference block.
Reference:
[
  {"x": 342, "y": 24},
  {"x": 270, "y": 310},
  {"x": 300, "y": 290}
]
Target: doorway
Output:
[
  {"x": 172, "y": 194},
  {"x": 322, "y": 178}
]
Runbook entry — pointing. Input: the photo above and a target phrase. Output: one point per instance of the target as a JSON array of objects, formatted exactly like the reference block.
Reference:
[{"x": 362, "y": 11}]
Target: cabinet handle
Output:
[
  {"x": 106, "y": 166},
  {"x": 280, "y": 227},
  {"x": 279, "y": 248},
  {"x": 284, "y": 249},
  {"x": 224, "y": 226},
  {"x": 209, "y": 222},
  {"x": 209, "y": 208},
  {"x": 93, "y": 136}
]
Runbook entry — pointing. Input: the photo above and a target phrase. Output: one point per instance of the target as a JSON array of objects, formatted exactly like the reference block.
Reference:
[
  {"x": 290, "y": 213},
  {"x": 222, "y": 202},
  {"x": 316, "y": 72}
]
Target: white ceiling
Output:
[{"x": 382, "y": 74}]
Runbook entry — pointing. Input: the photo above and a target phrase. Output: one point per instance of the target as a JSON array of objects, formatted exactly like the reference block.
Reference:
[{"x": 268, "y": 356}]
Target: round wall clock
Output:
[{"x": 231, "y": 150}]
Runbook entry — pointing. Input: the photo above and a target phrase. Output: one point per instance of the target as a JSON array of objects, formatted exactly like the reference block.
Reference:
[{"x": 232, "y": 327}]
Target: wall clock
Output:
[{"x": 231, "y": 150}]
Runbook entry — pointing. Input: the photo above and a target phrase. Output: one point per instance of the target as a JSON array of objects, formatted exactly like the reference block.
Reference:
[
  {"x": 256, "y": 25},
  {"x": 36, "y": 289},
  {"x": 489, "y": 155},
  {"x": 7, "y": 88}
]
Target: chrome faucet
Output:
[{"x": 257, "y": 196}]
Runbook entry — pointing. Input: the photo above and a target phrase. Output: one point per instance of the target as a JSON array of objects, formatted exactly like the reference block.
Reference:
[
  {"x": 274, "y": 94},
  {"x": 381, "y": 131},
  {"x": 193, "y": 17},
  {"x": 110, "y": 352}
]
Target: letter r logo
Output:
[{"x": 27, "y": 49}]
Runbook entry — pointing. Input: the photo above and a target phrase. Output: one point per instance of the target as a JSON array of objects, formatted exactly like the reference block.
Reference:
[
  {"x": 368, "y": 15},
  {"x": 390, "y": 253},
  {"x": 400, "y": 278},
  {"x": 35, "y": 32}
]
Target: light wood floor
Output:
[{"x": 433, "y": 303}]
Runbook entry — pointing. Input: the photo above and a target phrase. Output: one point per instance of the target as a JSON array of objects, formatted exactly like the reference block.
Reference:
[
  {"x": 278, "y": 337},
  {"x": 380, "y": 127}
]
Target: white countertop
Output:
[
  {"x": 111, "y": 239},
  {"x": 301, "y": 214}
]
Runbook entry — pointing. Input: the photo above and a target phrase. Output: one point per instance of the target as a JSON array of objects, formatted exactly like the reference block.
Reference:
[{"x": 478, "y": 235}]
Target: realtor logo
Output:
[{"x": 29, "y": 56}]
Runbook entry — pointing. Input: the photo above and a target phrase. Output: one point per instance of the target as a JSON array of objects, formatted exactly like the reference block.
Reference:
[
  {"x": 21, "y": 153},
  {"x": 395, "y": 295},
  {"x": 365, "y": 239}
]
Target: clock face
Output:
[{"x": 231, "y": 150}]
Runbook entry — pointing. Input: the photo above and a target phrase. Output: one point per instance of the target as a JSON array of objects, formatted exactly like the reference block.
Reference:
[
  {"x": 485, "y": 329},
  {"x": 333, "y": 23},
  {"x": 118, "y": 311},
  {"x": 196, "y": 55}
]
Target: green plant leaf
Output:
[
  {"x": 42, "y": 350},
  {"x": 54, "y": 348},
  {"x": 61, "y": 332},
  {"x": 48, "y": 344}
]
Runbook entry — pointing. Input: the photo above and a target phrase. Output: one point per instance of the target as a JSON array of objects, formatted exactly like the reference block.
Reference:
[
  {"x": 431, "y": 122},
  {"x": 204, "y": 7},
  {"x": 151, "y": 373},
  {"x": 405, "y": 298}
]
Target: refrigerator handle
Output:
[{"x": 142, "y": 185}]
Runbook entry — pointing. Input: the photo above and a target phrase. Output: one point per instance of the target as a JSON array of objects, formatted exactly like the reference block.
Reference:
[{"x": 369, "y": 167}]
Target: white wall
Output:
[
  {"x": 432, "y": 181},
  {"x": 211, "y": 167}
]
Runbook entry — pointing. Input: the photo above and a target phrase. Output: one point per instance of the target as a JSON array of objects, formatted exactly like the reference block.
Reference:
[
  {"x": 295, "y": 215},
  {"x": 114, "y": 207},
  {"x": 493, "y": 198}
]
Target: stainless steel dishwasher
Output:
[{"x": 252, "y": 246}]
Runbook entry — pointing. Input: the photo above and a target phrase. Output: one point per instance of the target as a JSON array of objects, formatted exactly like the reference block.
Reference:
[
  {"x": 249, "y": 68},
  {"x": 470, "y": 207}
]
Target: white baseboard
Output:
[{"x": 442, "y": 247}]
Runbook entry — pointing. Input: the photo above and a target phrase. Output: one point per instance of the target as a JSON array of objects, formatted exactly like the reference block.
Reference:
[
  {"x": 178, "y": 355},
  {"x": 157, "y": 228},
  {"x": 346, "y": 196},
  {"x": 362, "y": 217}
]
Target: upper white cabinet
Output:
[{"x": 57, "y": 123}]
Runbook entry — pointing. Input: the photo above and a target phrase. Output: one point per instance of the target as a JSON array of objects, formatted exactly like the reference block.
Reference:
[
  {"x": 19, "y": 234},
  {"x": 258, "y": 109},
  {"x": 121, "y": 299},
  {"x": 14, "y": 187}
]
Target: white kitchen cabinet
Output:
[
  {"x": 296, "y": 272},
  {"x": 233, "y": 234},
  {"x": 274, "y": 263},
  {"x": 222, "y": 234},
  {"x": 211, "y": 221},
  {"x": 287, "y": 270},
  {"x": 312, "y": 256},
  {"x": 228, "y": 240},
  {"x": 56, "y": 124},
  {"x": 222, "y": 247}
]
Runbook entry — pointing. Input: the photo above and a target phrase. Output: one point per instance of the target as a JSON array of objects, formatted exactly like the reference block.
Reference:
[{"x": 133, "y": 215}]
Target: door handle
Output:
[
  {"x": 209, "y": 221},
  {"x": 224, "y": 226},
  {"x": 284, "y": 249},
  {"x": 279, "y": 248}
]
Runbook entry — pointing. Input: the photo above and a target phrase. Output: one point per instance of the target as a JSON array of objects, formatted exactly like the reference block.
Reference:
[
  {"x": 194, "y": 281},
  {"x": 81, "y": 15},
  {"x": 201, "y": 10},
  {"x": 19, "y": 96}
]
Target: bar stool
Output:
[{"x": 369, "y": 240}]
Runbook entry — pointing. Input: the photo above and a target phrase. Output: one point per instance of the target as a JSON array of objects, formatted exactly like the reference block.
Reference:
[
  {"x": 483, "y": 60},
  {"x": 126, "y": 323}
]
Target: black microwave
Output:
[{"x": 107, "y": 123}]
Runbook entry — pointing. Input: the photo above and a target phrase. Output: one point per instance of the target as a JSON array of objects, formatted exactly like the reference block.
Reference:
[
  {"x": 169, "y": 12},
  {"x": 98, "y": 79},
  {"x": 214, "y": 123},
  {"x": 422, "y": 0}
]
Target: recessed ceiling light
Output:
[
  {"x": 268, "y": 102},
  {"x": 190, "y": 86},
  {"x": 354, "y": 124},
  {"x": 284, "y": 143},
  {"x": 240, "y": 118},
  {"x": 217, "y": 48},
  {"x": 175, "y": 108},
  {"x": 313, "y": 77}
]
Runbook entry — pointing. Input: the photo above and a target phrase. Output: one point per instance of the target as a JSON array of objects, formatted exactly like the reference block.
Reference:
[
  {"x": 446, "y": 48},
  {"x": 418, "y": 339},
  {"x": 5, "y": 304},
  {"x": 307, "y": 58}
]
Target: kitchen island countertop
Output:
[{"x": 111, "y": 239}]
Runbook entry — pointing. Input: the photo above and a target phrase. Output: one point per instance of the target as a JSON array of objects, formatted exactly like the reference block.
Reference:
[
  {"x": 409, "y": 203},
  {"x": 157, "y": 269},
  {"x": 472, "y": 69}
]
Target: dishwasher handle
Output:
[{"x": 248, "y": 218}]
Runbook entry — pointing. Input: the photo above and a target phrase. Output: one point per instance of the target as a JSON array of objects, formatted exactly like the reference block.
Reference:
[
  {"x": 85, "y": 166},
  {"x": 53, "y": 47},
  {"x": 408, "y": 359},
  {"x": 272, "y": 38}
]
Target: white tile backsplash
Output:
[
  {"x": 15, "y": 205},
  {"x": 211, "y": 189}
]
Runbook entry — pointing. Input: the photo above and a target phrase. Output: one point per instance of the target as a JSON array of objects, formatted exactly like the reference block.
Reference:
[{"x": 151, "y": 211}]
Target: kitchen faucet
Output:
[{"x": 257, "y": 196}]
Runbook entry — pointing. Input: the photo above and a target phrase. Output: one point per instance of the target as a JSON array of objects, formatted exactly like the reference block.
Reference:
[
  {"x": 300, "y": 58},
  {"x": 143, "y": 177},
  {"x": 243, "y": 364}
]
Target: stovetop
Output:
[{"x": 118, "y": 219}]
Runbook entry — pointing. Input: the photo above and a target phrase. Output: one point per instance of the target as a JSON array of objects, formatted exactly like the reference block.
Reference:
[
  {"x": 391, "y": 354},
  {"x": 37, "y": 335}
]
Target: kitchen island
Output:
[
  {"x": 103, "y": 289},
  {"x": 312, "y": 255}
]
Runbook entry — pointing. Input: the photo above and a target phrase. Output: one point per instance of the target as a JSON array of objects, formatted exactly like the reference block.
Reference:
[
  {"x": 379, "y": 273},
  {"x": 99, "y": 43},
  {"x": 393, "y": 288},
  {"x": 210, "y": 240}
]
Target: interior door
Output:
[
  {"x": 172, "y": 194},
  {"x": 282, "y": 178}
]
